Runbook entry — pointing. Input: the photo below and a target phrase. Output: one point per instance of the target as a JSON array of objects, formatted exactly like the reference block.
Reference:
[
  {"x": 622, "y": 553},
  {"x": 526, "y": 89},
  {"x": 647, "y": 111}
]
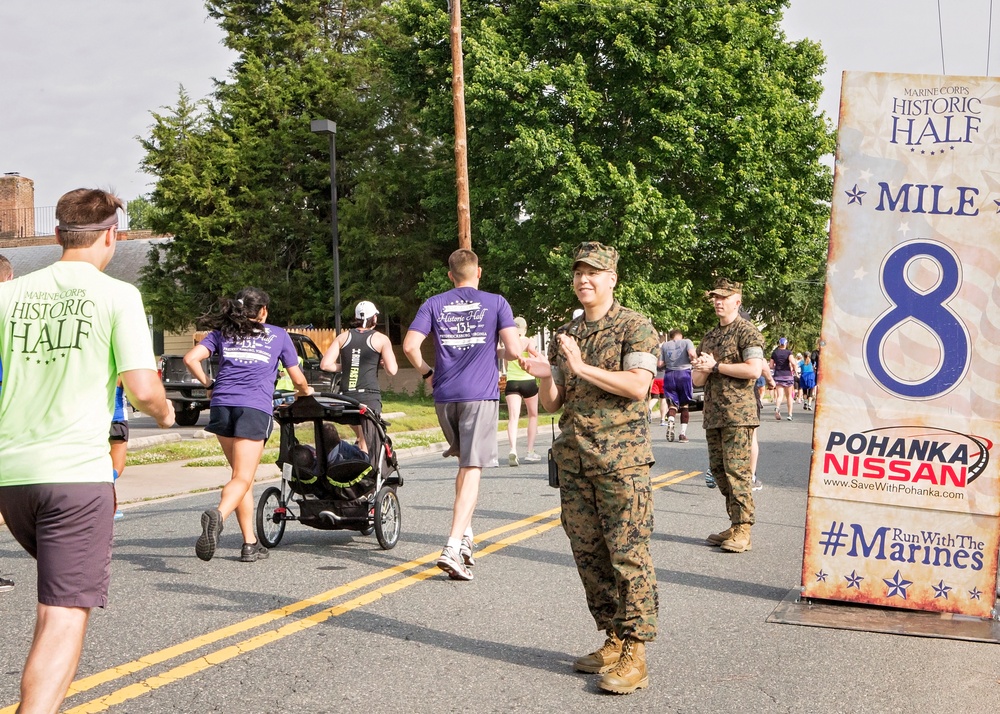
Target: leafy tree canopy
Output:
[
  {"x": 244, "y": 185},
  {"x": 685, "y": 134}
]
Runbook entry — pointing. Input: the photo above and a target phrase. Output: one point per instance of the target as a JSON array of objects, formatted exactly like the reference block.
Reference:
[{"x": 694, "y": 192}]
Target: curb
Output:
[{"x": 144, "y": 442}]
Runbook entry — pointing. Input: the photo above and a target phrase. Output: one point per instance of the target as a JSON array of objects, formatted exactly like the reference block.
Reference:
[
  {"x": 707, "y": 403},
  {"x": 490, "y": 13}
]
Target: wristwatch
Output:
[{"x": 715, "y": 368}]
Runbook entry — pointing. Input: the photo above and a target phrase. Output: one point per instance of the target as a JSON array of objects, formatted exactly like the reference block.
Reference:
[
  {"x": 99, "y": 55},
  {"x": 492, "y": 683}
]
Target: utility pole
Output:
[{"x": 461, "y": 144}]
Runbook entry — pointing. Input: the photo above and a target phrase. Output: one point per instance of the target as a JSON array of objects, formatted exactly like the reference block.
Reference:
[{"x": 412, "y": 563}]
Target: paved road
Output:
[
  {"x": 332, "y": 623},
  {"x": 142, "y": 425}
]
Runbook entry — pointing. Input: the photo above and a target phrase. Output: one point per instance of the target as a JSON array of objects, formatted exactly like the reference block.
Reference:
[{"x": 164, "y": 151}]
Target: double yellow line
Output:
[{"x": 540, "y": 523}]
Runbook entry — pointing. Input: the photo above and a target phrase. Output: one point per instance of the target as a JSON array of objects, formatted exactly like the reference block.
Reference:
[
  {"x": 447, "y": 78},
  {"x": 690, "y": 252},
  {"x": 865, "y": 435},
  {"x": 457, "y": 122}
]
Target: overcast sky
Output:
[{"x": 80, "y": 77}]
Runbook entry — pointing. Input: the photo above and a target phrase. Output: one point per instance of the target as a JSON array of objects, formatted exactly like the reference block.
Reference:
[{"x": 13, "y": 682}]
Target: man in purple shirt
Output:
[{"x": 467, "y": 324}]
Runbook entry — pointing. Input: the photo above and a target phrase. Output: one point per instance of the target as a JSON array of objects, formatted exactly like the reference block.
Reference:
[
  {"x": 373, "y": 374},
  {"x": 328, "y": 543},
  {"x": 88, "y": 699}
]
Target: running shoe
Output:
[
  {"x": 252, "y": 552},
  {"x": 452, "y": 563},
  {"x": 512, "y": 459},
  {"x": 709, "y": 479},
  {"x": 757, "y": 484},
  {"x": 789, "y": 417},
  {"x": 670, "y": 430},
  {"x": 119, "y": 514},
  {"x": 465, "y": 550},
  {"x": 532, "y": 458},
  {"x": 683, "y": 438},
  {"x": 211, "y": 529},
  {"x": 777, "y": 415},
  {"x": 6, "y": 585},
  {"x": 663, "y": 422}
]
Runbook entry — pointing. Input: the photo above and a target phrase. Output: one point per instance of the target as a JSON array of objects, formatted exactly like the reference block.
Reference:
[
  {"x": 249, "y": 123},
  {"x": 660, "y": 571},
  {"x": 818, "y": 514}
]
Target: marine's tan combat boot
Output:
[
  {"x": 739, "y": 541},
  {"x": 600, "y": 661},
  {"x": 630, "y": 672},
  {"x": 720, "y": 538}
]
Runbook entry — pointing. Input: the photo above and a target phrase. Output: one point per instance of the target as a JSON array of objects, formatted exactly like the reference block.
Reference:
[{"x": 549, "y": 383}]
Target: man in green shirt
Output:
[{"x": 67, "y": 332}]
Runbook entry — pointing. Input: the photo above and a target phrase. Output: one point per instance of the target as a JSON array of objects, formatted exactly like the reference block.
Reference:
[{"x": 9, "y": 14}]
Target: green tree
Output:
[
  {"x": 243, "y": 184},
  {"x": 139, "y": 210},
  {"x": 685, "y": 134}
]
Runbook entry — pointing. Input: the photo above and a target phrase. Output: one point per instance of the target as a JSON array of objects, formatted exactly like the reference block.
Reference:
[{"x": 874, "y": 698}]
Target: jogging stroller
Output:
[{"x": 339, "y": 494}]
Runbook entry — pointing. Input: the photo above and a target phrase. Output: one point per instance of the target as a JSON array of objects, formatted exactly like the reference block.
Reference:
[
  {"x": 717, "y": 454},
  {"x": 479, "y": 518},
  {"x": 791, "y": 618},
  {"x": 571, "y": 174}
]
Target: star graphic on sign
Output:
[
  {"x": 904, "y": 228},
  {"x": 996, "y": 201},
  {"x": 941, "y": 590},
  {"x": 832, "y": 268},
  {"x": 897, "y": 586},
  {"x": 855, "y": 195},
  {"x": 853, "y": 580},
  {"x": 865, "y": 176},
  {"x": 860, "y": 273},
  {"x": 821, "y": 577},
  {"x": 975, "y": 593}
]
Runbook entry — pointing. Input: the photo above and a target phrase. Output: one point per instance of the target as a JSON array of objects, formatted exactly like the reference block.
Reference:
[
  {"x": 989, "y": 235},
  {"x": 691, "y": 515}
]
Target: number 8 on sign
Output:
[{"x": 926, "y": 308}]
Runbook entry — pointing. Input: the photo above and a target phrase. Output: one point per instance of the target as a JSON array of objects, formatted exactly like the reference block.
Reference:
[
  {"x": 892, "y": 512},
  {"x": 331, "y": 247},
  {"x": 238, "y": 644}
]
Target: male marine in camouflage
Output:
[
  {"x": 599, "y": 370},
  {"x": 730, "y": 359}
]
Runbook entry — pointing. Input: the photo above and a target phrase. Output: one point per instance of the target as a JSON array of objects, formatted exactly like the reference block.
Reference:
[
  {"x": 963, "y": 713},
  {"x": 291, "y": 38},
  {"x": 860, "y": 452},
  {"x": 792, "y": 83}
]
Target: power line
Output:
[
  {"x": 989, "y": 40},
  {"x": 941, "y": 37}
]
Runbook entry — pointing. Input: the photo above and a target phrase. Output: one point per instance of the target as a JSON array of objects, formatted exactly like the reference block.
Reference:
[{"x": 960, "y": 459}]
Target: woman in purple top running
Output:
[
  {"x": 782, "y": 366},
  {"x": 242, "y": 394}
]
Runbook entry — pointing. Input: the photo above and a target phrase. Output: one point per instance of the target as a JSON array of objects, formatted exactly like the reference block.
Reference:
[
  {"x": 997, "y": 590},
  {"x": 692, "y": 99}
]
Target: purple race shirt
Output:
[
  {"x": 248, "y": 368},
  {"x": 466, "y": 324}
]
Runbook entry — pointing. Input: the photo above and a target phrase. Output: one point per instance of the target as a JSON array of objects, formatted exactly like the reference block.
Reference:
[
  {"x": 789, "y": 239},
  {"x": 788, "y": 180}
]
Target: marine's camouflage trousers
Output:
[
  {"x": 729, "y": 460},
  {"x": 609, "y": 521}
]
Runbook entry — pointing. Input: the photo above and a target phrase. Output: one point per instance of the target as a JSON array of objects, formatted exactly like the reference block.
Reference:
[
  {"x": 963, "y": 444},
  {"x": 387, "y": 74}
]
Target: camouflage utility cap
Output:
[
  {"x": 596, "y": 255},
  {"x": 724, "y": 288}
]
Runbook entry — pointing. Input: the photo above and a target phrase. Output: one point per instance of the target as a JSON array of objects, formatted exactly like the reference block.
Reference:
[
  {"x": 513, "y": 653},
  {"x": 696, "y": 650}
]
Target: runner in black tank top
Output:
[
  {"x": 358, "y": 355},
  {"x": 359, "y": 362}
]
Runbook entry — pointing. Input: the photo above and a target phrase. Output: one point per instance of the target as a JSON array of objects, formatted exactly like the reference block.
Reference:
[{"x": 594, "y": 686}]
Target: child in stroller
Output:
[
  {"x": 334, "y": 485},
  {"x": 303, "y": 456}
]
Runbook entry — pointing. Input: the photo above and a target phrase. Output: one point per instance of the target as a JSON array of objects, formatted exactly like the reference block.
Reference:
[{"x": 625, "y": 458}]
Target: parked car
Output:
[
  {"x": 190, "y": 397},
  {"x": 698, "y": 395}
]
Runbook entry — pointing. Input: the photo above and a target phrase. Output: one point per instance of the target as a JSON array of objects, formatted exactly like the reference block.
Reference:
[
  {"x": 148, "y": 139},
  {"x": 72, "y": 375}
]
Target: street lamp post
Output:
[{"x": 325, "y": 126}]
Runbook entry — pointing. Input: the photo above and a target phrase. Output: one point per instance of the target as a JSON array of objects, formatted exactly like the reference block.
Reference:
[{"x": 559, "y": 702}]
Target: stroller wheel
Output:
[
  {"x": 270, "y": 521},
  {"x": 387, "y": 518}
]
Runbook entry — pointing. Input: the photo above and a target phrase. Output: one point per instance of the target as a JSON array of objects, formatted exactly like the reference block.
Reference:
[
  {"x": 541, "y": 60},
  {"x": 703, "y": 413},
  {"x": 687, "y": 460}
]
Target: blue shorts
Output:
[
  {"x": 677, "y": 386},
  {"x": 240, "y": 423}
]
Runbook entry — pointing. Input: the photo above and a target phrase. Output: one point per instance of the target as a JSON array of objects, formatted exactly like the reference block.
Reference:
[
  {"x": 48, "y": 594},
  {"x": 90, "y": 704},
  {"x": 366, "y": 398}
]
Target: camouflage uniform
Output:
[
  {"x": 604, "y": 454},
  {"x": 731, "y": 415}
]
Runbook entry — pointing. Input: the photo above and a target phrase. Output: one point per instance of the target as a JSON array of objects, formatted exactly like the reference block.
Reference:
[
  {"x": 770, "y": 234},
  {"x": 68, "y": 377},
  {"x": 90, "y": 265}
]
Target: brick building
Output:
[{"x": 17, "y": 206}]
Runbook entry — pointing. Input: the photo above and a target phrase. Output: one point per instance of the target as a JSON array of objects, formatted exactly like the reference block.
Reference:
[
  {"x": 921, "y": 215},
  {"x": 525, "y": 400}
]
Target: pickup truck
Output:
[{"x": 190, "y": 397}]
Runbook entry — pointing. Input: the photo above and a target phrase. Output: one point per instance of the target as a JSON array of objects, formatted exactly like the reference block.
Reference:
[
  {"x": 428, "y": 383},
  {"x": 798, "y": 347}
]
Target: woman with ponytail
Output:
[{"x": 249, "y": 352}]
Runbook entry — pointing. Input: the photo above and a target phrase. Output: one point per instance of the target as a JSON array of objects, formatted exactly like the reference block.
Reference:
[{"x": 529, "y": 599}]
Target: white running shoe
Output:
[
  {"x": 465, "y": 550},
  {"x": 512, "y": 459},
  {"x": 453, "y": 564}
]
